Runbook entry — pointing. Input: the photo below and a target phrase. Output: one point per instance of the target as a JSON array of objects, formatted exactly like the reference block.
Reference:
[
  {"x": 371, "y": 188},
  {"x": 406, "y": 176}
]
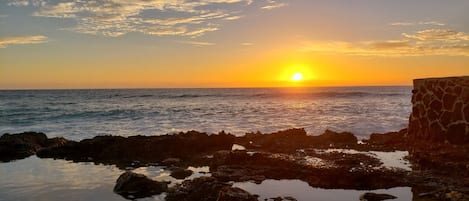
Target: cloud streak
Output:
[
  {"x": 197, "y": 43},
  {"x": 21, "y": 40},
  {"x": 432, "y": 23},
  {"x": 272, "y": 4},
  {"x": 153, "y": 17},
  {"x": 421, "y": 43}
]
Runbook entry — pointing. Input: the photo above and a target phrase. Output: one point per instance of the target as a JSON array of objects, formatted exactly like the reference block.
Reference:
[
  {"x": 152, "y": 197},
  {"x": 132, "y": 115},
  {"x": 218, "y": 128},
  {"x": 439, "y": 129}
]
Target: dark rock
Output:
[
  {"x": 132, "y": 185},
  {"x": 207, "y": 189},
  {"x": 376, "y": 197},
  {"x": 171, "y": 161},
  {"x": 235, "y": 194},
  {"x": 448, "y": 101},
  {"x": 391, "y": 140},
  {"x": 180, "y": 173},
  {"x": 344, "y": 138},
  {"x": 123, "y": 151},
  {"x": 19, "y": 146},
  {"x": 436, "y": 106},
  {"x": 457, "y": 134}
]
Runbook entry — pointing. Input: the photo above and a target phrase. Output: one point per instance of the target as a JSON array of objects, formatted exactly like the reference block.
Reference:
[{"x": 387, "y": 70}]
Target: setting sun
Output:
[{"x": 297, "y": 77}]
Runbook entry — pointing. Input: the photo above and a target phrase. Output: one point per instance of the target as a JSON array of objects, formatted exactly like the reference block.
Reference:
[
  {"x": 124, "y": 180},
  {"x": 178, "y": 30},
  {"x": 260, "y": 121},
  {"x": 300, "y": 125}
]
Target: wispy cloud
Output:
[
  {"x": 247, "y": 44},
  {"x": 444, "y": 35},
  {"x": 421, "y": 43},
  {"x": 432, "y": 23},
  {"x": 21, "y": 40},
  {"x": 197, "y": 43},
  {"x": 153, "y": 17},
  {"x": 273, "y": 4}
]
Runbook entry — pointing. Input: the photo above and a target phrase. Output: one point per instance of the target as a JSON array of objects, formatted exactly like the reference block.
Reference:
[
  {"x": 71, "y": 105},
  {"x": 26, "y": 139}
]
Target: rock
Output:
[
  {"x": 456, "y": 196},
  {"x": 343, "y": 138},
  {"x": 123, "y": 151},
  {"x": 235, "y": 194},
  {"x": 389, "y": 141},
  {"x": 171, "y": 161},
  {"x": 132, "y": 185},
  {"x": 180, "y": 173},
  {"x": 22, "y": 145},
  {"x": 376, "y": 197},
  {"x": 207, "y": 189}
]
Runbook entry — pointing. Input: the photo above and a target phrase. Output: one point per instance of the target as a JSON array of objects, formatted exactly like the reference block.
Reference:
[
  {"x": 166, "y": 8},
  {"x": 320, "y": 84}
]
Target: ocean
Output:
[{"x": 79, "y": 114}]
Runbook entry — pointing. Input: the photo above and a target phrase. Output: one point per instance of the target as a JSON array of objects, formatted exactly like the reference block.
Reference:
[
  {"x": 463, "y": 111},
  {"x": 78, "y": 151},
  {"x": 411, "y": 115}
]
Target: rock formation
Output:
[{"x": 440, "y": 110}]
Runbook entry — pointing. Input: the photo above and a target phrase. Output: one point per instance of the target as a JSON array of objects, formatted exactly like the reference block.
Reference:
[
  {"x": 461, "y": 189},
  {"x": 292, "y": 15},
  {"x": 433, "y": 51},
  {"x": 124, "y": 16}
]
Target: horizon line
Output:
[{"x": 137, "y": 88}]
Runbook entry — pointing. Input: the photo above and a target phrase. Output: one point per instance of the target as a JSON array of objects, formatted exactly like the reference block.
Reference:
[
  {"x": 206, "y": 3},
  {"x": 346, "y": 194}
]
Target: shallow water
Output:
[
  {"x": 393, "y": 159},
  {"x": 303, "y": 192},
  {"x": 79, "y": 114},
  {"x": 53, "y": 180}
]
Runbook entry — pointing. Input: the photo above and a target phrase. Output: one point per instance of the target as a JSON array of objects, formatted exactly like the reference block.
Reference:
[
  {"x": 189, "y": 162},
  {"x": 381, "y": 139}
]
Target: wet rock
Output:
[
  {"x": 376, "y": 197},
  {"x": 22, "y": 145},
  {"x": 389, "y": 141},
  {"x": 351, "y": 175},
  {"x": 457, "y": 196},
  {"x": 132, "y": 185},
  {"x": 171, "y": 161},
  {"x": 207, "y": 189},
  {"x": 123, "y": 151},
  {"x": 288, "y": 141},
  {"x": 235, "y": 194},
  {"x": 180, "y": 173},
  {"x": 337, "y": 139}
]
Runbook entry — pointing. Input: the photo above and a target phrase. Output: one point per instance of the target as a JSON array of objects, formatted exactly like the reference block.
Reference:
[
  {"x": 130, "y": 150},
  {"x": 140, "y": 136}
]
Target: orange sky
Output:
[{"x": 239, "y": 44}]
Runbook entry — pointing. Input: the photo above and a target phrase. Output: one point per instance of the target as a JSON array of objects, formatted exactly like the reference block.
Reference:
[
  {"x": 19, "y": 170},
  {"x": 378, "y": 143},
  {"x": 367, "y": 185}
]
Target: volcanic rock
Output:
[{"x": 132, "y": 185}]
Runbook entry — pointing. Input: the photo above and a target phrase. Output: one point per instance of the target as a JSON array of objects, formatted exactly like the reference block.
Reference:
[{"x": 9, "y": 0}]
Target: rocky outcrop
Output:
[
  {"x": 135, "y": 150},
  {"x": 180, "y": 173},
  {"x": 132, "y": 185},
  {"x": 293, "y": 139},
  {"x": 338, "y": 170},
  {"x": 440, "y": 110},
  {"x": 208, "y": 189},
  {"x": 22, "y": 145}
]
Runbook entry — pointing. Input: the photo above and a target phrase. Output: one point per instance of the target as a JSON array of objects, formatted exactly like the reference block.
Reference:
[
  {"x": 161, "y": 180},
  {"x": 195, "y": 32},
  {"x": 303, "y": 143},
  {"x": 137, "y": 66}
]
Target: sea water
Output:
[{"x": 79, "y": 114}]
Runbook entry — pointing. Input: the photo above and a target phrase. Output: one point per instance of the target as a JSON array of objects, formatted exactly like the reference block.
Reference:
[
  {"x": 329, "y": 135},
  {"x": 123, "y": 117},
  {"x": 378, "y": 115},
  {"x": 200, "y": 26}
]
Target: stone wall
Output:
[{"x": 440, "y": 110}]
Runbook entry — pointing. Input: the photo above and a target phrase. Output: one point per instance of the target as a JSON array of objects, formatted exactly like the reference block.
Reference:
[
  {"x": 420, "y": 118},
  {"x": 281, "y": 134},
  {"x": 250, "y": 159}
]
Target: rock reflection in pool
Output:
[
  {"x": 50, "y": 180},
  {"x": 303, "y": 192}
]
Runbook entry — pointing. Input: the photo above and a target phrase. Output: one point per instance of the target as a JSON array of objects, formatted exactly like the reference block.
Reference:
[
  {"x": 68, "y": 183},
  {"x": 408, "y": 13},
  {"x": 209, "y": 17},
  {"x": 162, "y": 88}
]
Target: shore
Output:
[{"x": 330, "y": 160}]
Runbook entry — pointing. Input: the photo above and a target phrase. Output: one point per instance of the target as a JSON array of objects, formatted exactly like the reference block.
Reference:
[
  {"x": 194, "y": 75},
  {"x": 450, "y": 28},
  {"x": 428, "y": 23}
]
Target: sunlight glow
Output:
[{"x": 297, "y": 77}]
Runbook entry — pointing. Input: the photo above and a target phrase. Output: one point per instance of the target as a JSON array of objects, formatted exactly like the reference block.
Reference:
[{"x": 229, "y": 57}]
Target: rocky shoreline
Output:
[{"x": 439, "y": 171}]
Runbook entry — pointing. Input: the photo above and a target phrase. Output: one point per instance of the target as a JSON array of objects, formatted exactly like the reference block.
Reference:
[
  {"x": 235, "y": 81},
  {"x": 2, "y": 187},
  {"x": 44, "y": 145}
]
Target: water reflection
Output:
[
  {"x": 47, "y": 179},
  {"x": 303, "y": 192},
  {"x": 53, "y": 180}
]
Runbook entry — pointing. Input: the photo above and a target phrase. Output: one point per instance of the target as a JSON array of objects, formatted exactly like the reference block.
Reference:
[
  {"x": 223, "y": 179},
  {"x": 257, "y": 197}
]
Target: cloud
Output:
[
  {"x": 432, "y": 23},
  {"x": 421, "y": 43},
  {"x": 197, "y": 43},
  {"x": 439, "y": 35},
  {"x": 247, "y": 44},
  {"x": 153, "y": 17},
  {"x": 21, "y": 40},
  {"x": 272, "y": 4}
]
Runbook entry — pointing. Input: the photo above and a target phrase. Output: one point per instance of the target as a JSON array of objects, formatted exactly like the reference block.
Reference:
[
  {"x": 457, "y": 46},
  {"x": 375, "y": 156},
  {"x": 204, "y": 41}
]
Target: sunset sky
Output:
[{"x": 230, "y": 43}]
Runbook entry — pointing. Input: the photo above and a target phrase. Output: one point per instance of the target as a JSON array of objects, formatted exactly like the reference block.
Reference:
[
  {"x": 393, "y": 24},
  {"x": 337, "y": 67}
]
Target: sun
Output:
[{"x": 297, "y": 77}]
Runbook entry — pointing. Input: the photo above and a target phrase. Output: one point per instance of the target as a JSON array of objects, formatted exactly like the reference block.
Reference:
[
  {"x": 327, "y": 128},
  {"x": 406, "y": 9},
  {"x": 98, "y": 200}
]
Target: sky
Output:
[{"x": 61, "y": 44}]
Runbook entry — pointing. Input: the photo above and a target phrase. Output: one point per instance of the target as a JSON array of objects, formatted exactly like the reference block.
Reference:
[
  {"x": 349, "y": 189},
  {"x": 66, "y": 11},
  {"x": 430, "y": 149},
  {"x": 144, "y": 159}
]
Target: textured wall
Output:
[{"x": 440, "y": 110}]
